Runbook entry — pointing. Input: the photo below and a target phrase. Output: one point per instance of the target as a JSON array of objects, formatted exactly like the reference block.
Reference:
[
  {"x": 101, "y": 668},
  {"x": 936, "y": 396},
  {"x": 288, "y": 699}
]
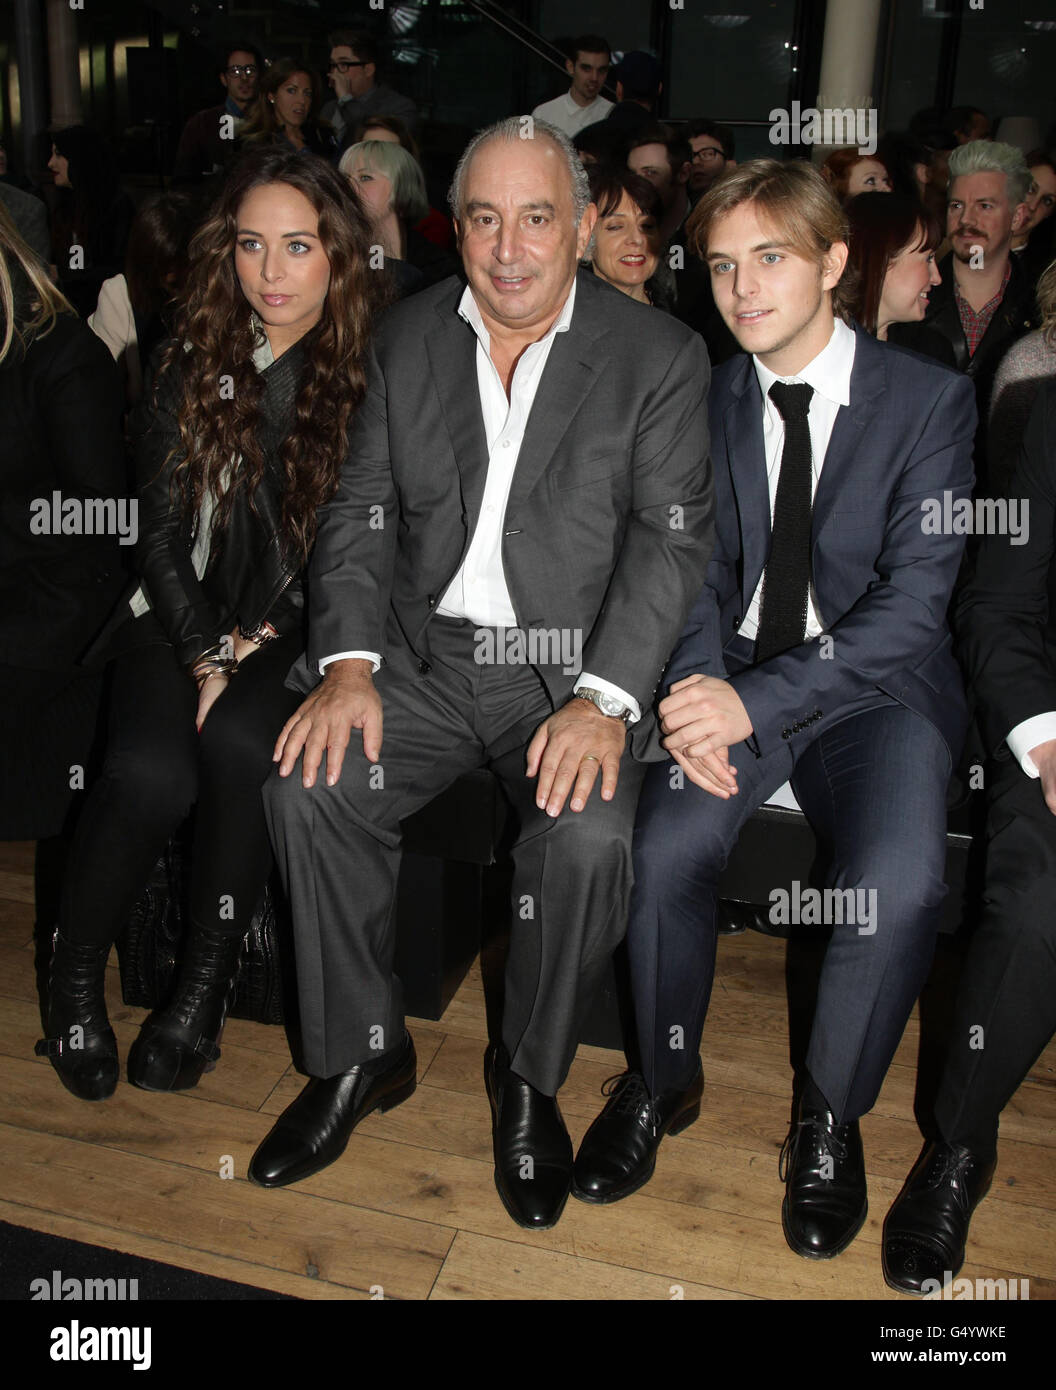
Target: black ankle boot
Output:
[
  {"x": 176, "y": 1046},
  {"x": 80, "y": 1042}
]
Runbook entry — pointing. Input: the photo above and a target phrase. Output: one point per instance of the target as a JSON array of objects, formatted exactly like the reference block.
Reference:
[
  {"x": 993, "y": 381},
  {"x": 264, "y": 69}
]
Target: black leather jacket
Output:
[{"x": 251, "y": 574}]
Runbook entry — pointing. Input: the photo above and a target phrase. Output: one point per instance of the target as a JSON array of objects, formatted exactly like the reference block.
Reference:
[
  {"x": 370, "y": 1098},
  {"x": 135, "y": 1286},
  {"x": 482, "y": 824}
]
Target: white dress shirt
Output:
[
  {"x": 1038, "y": 729},
  {"x": 830, "y": 375},
  {"x": 478, "y": 592},
  {"x": 567, "y": 114}
]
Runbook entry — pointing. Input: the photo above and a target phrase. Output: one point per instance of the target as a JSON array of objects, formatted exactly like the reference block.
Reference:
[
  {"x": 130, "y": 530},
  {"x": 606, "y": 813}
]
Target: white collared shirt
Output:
[
  {"x": 567, "y": 114},
  {"x": 830, "y": 375},
  {"x": 478, "y": 592}
]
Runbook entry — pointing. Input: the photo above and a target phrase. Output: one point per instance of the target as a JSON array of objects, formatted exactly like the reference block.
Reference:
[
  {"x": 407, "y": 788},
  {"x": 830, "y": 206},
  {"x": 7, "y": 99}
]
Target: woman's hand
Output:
[
  {"x": 209, "y": 692},
  {"x": 241, "y": 647}
]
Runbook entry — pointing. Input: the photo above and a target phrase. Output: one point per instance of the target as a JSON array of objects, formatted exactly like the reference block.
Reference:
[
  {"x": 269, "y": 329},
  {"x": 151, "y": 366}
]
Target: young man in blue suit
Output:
[{"x": 817, "y": 652}]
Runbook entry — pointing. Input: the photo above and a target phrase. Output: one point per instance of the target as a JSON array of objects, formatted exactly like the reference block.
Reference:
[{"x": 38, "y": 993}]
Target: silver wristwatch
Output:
[{"x": 608, "y": 704}]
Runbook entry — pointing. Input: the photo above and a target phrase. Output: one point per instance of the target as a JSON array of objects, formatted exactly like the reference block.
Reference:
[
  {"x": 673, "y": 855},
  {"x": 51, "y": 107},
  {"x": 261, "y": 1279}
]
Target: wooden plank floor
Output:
[{"x": 411, "y": 1209}]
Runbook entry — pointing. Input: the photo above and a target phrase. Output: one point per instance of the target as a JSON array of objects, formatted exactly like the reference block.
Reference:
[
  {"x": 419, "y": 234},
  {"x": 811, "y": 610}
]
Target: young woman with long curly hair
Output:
[{"x": 238, "y": 441}]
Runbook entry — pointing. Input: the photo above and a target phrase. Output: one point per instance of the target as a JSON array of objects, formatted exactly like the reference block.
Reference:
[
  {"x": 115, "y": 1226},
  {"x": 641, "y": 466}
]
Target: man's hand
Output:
[
  {"x": 712, "y": 773},
  {"x": 567, "y": 751},
  {"x": 1044, "y": 759},
  {"x": 701, "y": 716},
  {"x": 341, "y": 83},
  {"x": 242, "y": 647},
  {"x": 345, "y": 700}
]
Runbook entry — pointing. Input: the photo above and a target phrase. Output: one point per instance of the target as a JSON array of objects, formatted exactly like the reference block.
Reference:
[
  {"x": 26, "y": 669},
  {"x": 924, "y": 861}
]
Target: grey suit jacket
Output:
[
  {"x": 609, "y": 523},
  {"x": 30, "y": 216}
]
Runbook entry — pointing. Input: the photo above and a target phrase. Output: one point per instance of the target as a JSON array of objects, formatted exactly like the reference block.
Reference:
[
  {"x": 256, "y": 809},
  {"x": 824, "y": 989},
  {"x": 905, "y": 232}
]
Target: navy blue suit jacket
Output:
[{"x": 882, "y": 584}]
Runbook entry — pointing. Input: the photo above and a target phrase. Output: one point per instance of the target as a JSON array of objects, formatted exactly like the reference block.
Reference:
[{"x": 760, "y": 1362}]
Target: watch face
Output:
[{"x": 609, "y": 705}]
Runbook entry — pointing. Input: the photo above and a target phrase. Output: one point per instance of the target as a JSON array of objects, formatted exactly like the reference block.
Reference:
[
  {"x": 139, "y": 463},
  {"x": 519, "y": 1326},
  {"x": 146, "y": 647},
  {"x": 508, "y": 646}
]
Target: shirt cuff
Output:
[
  {"x": 607, "y": 688},
  {"x": 1028, "y": 735},
  {"x": 325, "y": 661}
]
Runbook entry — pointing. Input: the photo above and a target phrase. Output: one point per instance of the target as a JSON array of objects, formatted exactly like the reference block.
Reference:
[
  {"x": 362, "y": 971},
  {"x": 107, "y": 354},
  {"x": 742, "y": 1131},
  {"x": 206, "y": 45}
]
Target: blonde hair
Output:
[
  {"x": 1047, "y": 302},
  {"x": 409, "y": 198},
  {"x": 796, "y": 199},
  {"x": 47, "y": 300}
]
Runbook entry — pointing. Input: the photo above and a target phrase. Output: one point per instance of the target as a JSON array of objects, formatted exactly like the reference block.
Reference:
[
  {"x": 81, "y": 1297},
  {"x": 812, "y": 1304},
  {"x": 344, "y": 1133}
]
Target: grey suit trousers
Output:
[{"x": 338, "y": 850}]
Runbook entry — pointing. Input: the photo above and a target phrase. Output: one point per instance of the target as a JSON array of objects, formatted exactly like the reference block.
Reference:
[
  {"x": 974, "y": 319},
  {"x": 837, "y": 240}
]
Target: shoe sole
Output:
[
  {"x": 105, "y": 1094},
  {"x": 388, "y": 1101},
  {"x": 147, "y": 1077},
  {"x": 806, "y": 1251},
  {"x": 691, "y": 1116}
]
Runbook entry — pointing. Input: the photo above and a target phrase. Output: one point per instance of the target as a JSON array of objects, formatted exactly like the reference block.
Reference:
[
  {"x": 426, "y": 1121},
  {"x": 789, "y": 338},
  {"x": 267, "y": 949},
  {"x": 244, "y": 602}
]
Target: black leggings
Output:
[{"x": 157, "y": 766}]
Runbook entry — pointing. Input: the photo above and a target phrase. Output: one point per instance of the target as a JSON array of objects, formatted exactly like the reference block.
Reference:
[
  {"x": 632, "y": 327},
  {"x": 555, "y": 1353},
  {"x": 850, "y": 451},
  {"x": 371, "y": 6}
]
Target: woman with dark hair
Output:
[
  {"x": 284, "y": 112},
  {"x": 916, "y": 170},
  {"x": 625, "y": 248},
  {"x": 892, "y": 262},
  {"x": 1035, "y": 242},
  {"x": 133, "y": 312},
  {"x": 849, "y": 173},
  {"x": 237, "y": 446},
  {"x": 92, "y": 218},
  {"x": 387, "y": 128}
]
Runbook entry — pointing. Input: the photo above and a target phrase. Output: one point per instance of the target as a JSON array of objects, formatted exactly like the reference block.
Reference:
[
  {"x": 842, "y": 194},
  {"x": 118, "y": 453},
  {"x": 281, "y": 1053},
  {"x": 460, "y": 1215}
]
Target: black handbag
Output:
[{"x": 149, "y": 946}]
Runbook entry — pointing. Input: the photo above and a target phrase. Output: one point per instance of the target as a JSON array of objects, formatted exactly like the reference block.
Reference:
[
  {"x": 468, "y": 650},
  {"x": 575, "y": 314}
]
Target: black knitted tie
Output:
[{"x": 783, "y": 615}]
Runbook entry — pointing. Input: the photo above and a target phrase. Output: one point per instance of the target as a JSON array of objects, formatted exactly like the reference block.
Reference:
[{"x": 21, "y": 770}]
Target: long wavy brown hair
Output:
[{"x": 216, "y": 336}]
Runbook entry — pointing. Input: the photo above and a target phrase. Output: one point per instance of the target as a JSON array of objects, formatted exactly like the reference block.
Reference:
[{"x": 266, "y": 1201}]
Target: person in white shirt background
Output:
[{"x": 583, "y": 103}]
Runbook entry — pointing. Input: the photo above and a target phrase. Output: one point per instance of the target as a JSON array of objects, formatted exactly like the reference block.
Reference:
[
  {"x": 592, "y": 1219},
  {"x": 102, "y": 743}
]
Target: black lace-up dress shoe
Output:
[
  {"x": 927, "y": 1227},
  {"x": 314, "y": 1131},
  {"x": 618, "y": 1152},
  {"x": 533, "y": 1153},
  {"x": 825, "y": 1195}
]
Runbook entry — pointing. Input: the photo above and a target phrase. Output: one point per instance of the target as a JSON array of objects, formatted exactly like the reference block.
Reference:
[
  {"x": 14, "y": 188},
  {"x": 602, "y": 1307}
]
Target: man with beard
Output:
[
  {"x": 208, "y": 138},
  {"x": 985, "y": 301}
]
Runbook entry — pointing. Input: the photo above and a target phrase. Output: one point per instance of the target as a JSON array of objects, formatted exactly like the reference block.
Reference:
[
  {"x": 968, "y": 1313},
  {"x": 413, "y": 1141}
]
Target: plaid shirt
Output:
[{"x": 976, "y": 324}]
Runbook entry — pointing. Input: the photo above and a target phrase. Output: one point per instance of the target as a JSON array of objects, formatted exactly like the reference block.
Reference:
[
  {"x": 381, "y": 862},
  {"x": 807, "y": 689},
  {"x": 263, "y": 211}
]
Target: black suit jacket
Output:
[
  {"x": 1006, "y": 616},
  {"x": 882, "y": 582},
  {"x": 61, "y": 404},
  {"x": 1015, "y": 316},
  {"x": 609, "y": 521}
]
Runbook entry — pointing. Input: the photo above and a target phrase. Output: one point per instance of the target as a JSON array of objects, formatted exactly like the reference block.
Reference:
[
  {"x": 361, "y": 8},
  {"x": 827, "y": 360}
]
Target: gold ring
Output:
[{"x": 592, "y": 756}]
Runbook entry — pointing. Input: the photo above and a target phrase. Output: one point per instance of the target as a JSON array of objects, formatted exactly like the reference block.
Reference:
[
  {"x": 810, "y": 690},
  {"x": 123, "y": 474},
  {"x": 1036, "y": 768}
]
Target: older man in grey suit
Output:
[{"x": 523, "y": 520}]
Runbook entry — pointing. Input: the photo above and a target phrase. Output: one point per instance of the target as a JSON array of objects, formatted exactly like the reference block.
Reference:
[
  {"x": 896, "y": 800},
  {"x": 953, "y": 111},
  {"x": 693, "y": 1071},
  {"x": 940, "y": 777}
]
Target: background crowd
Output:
[{"x": 952, "y": 253}]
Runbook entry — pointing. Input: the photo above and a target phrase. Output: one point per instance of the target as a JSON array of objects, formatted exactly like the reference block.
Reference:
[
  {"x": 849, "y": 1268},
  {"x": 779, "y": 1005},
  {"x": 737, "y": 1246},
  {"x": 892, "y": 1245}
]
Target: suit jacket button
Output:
[
  {"x": 424, "y": 668},
  {"x": 786, "y": 733}
]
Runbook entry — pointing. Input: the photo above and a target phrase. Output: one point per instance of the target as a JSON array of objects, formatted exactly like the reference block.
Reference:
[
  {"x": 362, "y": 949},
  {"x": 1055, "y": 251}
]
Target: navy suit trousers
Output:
[{"x": 873, "y": 787}]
